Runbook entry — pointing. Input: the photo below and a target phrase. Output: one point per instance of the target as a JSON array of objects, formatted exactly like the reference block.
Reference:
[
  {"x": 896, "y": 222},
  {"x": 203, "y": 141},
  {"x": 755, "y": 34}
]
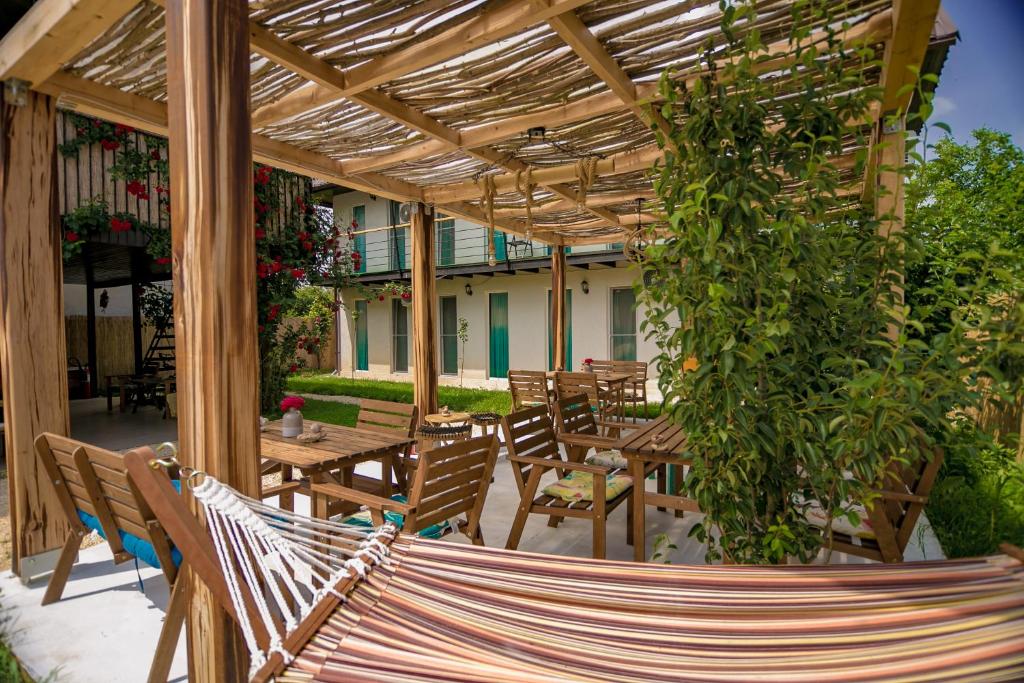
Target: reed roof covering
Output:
[{"x": 424, "y": 100}]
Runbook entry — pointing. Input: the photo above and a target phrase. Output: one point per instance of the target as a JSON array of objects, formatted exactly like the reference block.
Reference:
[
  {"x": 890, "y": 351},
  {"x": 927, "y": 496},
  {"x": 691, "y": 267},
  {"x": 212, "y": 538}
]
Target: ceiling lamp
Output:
[{"x": 536, "y": 134}]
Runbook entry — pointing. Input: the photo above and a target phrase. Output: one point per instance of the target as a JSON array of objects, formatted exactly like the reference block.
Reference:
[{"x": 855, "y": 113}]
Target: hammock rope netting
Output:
[{"x": 420, "y": 610}]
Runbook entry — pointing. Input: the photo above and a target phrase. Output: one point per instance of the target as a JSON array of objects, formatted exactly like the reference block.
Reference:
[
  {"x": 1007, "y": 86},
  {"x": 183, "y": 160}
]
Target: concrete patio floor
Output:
[{"x": 105, "y": 628}]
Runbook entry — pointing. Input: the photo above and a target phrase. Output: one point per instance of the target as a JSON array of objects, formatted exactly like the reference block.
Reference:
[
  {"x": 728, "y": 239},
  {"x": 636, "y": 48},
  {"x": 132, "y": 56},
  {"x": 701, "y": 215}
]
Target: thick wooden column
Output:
[
  {"x": 558, "y": 306},
  {"x": 890, "y": 197},
  {"x": 33, "y": 354},
  {"x": 424, "y": 312},
  {"x": 214, "y": 270}
]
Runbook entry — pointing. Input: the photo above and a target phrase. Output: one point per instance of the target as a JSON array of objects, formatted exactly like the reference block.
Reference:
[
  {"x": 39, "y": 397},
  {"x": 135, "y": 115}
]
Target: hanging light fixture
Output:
[
  {"x": 634, "y": 246},
  {"x": 536, "y": 134}
]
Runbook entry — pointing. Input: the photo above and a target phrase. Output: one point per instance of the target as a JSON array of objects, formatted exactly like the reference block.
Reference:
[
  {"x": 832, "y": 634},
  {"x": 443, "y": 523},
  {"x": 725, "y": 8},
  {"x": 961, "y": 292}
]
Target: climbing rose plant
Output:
[{"x": 812, "y": 379}]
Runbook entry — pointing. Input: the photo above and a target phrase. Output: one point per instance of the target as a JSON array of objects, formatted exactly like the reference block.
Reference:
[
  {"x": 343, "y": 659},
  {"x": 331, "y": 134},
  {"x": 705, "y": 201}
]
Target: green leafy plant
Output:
[
  {"x": 156, "y": 304},
  {"x": 462, "y": 333},
  {"x": 812, "y": 378}
]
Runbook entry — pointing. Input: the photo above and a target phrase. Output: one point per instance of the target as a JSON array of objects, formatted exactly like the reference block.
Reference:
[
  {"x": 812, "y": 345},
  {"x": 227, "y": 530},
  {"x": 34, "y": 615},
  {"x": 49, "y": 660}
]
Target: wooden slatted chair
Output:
[
  {"x": 533, "y": 451},
  {"x": 390, "y": 417},
  {"x": 529, "y": 388},
  {"x": 888, "y": 522},
  {"x": 605, "y": 402},
  {"x": 636, "y": 388},
  {"x": 96, "y": 494},
  {"x": 449, "y": 481}
]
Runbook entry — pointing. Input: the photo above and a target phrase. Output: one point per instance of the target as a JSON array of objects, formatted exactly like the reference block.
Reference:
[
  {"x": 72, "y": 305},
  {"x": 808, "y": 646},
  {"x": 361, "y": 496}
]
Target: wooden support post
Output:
[
  {"x": 33, "y": 352},
  {"x": 558, "y": 306},
  {"x": 90, "y": 320},
  {"x": 214, "y": 268},
  {"x": 424, "y": 312},
  {"x": 889, "y": 200}
]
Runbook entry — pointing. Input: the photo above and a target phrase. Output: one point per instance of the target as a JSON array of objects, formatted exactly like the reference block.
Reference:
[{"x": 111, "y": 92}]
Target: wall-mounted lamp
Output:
[
  {"x": 469, "y": 289},
  {"x": 585, "y": 286}
]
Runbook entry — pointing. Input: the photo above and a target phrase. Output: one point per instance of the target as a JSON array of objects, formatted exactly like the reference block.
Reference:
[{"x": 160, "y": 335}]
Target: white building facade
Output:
[{"x": 506, "y": 306}]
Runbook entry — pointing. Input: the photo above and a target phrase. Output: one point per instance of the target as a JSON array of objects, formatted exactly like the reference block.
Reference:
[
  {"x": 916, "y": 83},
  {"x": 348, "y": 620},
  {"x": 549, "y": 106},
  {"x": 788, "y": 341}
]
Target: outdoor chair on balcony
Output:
[
  {"x": 529, "y": 388},
  {"x": 887, "y": 523},
  {"x": 449, "y": 481},
  {"x": 588, "y": 491},
  {"x": 96, "y": 494}
]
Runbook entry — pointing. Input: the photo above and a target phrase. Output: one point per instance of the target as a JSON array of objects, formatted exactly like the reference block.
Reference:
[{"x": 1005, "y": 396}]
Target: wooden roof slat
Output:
[
  {"x": 503, "y": 20},
  {"x": 52, "y": 32}
]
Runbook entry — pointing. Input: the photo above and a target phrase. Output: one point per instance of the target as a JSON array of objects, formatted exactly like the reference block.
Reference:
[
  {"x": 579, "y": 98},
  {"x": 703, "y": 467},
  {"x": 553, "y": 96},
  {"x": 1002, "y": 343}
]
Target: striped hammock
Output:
[{"x": 438, "y": 611}]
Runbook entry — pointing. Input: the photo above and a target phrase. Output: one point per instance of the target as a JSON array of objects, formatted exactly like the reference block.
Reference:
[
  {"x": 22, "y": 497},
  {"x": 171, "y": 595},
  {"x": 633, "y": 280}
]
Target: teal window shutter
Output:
[
  {"x": 359, "y": 220},
  {"x": 623, "y": 324},
  {"x": 498, "y": 320},
  {"x": 445, "y": 228},
  {"x": 362, "y": 340},
  {"x": 499, "y": 245},
  {"x": 399, "y": 336},
  {"x": 449, "y": 336}
]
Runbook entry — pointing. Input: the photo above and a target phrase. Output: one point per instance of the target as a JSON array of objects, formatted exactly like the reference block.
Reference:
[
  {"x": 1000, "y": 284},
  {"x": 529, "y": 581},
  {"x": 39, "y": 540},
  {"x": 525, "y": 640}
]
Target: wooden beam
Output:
[
  {"x": 424, "y": 312},
  {"x": 588, "y": 48},
  {"x": 617, "y": 164},
  {"x": 558, "y": 330},
  {"x": 494, "y": 23},
  {"x": 148, "y": 115},
  {"x": 52, "y": 32},
  {"x": 912, "y": 23},
  {"x": 214, "y": 266},
  {"x": 889, "y": 203},
  {"x": 33, "y": 354},
  {"x": 591, "y": 201}
]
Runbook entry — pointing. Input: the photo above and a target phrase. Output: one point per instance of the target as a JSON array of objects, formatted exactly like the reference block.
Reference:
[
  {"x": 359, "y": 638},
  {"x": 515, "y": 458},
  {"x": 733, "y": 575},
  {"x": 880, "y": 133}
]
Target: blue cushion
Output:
[
  {"x": 363, "y": 519},
  {"x": 132, "y": 544}
]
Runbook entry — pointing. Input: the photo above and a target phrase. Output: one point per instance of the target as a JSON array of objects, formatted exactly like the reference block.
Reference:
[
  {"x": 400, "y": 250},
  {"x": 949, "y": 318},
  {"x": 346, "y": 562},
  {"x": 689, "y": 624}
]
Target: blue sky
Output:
[{"x": 982, "y": 83}]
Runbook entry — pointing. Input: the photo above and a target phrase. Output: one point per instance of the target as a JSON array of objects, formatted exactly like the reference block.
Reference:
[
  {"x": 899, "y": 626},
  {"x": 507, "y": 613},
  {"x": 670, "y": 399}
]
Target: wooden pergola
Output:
[{"x": 525, "y": 115}]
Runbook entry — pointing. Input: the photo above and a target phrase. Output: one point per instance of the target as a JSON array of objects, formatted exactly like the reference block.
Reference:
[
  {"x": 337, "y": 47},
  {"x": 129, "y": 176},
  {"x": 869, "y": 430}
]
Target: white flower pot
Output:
[{"x": 291, "y": 423}]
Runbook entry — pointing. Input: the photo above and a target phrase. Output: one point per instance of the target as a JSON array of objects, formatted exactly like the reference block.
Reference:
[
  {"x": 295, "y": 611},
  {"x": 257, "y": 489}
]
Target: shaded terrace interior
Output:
[{"x": 530, "y": 118}]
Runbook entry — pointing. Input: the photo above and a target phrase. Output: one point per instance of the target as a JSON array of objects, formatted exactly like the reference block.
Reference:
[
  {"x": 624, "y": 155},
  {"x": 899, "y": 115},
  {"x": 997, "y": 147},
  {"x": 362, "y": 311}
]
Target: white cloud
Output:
[{"x": 943, "y": 105}]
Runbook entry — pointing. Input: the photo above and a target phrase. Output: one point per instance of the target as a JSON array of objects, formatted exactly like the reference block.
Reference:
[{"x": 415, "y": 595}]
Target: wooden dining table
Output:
[
  {"x": 660, "y": 441},
  {"x": 333, "y": 459}
]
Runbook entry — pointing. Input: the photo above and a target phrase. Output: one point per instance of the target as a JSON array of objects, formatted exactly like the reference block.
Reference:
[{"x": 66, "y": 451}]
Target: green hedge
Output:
[
  {"x": 456, "y": 398},
  {"x": 978, "y": 500}
]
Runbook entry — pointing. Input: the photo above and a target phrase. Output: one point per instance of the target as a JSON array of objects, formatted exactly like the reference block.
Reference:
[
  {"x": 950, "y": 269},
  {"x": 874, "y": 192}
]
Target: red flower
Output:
[
  {"x": 121, "y": 129},
  {"x": 163, "y": 260},
  {"x": 154, "y": 154},
  {"x": 293, "y": 368},
  {"x": 110, "y": 145},
  {"x": 274, "y": 310},
  {"x": 406, "y": 296},
  {"x": 260, "y": 206},
  {"x": 276, "y": 266},
  {"x": 136, "y": 188},
  {"x": 262, "y": 270},
  {"x": 301, "y": 204},
  {"x": 308, "y": 246},
  {"x": 298, "y": 273},
  {"x": 300, "y": 345},
  {"x": 296, "y": 402},
  {"x": 263, "y": 175},
  {"x": 71, "y": 236},
  {"x": 302, "y": 235},
  {"x": 120, "y": 224},
  {"x": 80, "y": 130},
  {"x": 262, "y": 328},
  {"x": 160, "y": 190},
  {"x": 355, "y": 224},
  {"x": 144, "y": 195},
  {"x": 355, "y": 256},
  {"x": 316, "y": 340},
  {"x": 380, "y": 298},
  {"x": 260, "y": 233}
]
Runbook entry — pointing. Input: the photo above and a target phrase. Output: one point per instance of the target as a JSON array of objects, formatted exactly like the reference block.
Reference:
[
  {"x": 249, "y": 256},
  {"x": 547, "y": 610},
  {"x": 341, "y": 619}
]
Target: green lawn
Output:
[{"x": 456, "y": 398}]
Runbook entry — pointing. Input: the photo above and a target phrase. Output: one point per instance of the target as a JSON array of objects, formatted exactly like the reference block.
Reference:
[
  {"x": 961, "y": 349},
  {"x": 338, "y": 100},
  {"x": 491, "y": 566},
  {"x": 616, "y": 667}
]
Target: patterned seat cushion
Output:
[
  {"x": 433, "y": 531},
  {"x": 610, "y": 458},
  {"x": 579, "y": 486}
]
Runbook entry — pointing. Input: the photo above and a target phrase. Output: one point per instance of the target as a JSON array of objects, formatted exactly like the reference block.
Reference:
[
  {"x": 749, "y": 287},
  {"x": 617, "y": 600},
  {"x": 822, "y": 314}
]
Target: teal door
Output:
[
  {"x": 362, "y": 340},
  {"x": 449, "y": 336},
  {"x": 499, "y": 245},
  {"x": 568, "y": 333},
  {"x": 498, "y": 320}
]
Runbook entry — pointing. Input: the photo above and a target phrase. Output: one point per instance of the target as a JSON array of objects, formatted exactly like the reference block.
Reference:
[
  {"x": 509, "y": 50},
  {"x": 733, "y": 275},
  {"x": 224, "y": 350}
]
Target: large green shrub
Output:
[{"x": 785, "y": 294}]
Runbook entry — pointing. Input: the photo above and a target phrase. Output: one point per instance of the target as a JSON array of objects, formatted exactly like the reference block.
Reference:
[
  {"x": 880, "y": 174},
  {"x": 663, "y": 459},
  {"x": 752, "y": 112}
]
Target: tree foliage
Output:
[{"x": 812, "y": 379}]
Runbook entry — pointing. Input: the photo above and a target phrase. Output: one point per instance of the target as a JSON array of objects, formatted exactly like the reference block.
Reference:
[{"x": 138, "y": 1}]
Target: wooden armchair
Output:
[
  {"x": 605, "y": 402},
  {"x": 96, "y": 494},
  {"x": 533, "y": 452},
  {"x": 636, "y": 388},
  {"x": 888, "y": 522},
  {"x": 449, "y": 481},
  {"x": 529, "y": 388}
]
